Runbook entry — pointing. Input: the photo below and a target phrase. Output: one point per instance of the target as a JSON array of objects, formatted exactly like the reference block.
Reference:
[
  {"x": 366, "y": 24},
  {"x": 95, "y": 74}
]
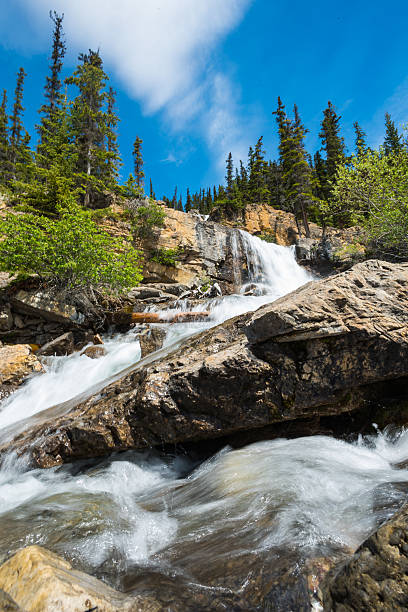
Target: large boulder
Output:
[
  {"x": 17, "y": 362},
  {"x": 376, "y": 577},
  {"x": 41, "y": 581},
  {"x": 324, "y": 349}
]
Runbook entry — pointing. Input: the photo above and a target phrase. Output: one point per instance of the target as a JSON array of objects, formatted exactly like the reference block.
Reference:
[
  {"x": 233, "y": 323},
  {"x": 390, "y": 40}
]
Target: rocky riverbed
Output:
[{"x": 196, "y": 525}]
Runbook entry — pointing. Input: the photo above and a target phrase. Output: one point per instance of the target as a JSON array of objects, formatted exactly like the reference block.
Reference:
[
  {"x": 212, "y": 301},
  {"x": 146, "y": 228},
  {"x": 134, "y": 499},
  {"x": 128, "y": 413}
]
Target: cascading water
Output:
[{"x": 135, "y": 518}]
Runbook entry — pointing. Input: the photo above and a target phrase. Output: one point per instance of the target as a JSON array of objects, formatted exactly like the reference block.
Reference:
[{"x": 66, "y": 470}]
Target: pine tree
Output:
[
  {"x": 18, "y": 137},
  {"x": 393, "y": 140},
  {"x": 112, "y": 158},
  {"x": 53, "y": 84},
  {"x": 89, "y": 125},
  {"x": 4, "y": 141},
  {"x": 321, "y": 186},
  {"x": 360, "y": 140},
  {"x": 333, "y": 145},
  {"x": 229, "y": 175},
  {"x": 257, "y": 187},
  {"x": 296, "y": 172},
  {"x": 152, "y": 194},
  {"x": 138, "y": 161},
  {"x": 188, "y": 201},
  {"x": 208, "y": 201},
  {"x": 174, "y": 199}
]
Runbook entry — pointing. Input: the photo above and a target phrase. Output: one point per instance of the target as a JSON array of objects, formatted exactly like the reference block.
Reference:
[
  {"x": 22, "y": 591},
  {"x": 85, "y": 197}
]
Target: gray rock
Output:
[
  {"x": 63, "y": 345},
  {"x": 151, "y": 340}
]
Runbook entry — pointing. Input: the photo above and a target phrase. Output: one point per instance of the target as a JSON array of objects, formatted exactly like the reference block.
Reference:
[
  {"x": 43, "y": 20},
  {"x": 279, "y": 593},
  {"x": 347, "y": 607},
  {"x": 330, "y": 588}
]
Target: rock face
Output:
[
  {"x": 376, "y": 577},
  {"x": 16, "y": 363},
  {"x": 322, "y": 350},
  {"x": 7, "y": 604},
  {"x": 63, "y": 345},
  {"x": 41, "y": 581}
]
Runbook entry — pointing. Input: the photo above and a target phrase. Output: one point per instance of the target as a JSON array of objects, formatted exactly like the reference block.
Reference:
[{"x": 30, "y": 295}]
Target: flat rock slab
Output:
[{"x": 321, "y": 350}]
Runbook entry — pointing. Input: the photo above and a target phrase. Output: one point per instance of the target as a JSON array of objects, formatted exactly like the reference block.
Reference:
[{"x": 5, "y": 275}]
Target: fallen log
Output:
[{"x": 125, "y": 319}]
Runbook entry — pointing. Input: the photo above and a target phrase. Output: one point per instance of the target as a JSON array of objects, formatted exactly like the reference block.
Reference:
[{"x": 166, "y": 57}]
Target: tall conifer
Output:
[
  {"x": 4, "y": 141},
  {"x": 53, "y": 85},
  {"x": 18, "y": 137},
  {"x": 333, "y": 145},
  {"x": 393, "y": 140},
  {"x": 89, "y": 124},
  {"x": 138, "y": 161},
  {"x": 360, "y": 139}
]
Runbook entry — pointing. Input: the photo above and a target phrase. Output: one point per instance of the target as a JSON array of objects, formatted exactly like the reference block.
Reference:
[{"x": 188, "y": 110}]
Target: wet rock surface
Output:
[
  {"x": 319, "y": 351},
  {"x": 376, "y": 577},
  {"x": 41, "y": 581}
]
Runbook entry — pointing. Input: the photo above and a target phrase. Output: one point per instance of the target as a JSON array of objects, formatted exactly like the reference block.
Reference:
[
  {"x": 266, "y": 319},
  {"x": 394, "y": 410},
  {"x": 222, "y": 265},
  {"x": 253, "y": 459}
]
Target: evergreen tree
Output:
[
  {"x": 229, "y": 175},
  {"x": 393, "y": 140},
  {"x": 138, "y": 161},
  {"x": 52, "y": 84},
  {"x": 321, "y": 186},
  {"x": 333, "y": 145},
  {"x": 174, "y": 199},
  {"x": 89, "y": 125},
  {"x": 188, "y": 201},
  {"x": 208, "y": 201},
  {"x": 257, "y": 187},
  {"x": 4, "y": 142},
  {"x": 152, "y": 194},
  {"x": 112, "y": 158},
  {"x": 361, "y": 139},
  {"x": 18, "y": 136}
]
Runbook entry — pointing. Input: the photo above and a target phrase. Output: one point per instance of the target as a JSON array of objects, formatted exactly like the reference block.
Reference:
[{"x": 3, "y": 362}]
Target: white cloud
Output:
[{"x": 161, "y": 50}]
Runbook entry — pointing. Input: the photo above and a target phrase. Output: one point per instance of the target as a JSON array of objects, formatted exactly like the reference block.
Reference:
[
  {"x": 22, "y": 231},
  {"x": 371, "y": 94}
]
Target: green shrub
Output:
[
  {"x": 167, "y": 257},
  {"x": 69, "y": 251}
]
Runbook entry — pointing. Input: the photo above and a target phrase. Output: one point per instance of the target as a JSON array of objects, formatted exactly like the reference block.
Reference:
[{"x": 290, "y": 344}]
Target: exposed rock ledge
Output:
[
  {"x": 321, "y": 350},
  {"x": 376, "y": 577}
]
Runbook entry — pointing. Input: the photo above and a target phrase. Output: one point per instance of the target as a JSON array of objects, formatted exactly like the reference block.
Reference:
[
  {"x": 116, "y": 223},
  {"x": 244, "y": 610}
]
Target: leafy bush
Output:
[
  {"x": 145, "y": 216},
  {"x": 167, "y": 257},
  {"x": 372, "y": 191},
  {"x": 69, "y": 251}
]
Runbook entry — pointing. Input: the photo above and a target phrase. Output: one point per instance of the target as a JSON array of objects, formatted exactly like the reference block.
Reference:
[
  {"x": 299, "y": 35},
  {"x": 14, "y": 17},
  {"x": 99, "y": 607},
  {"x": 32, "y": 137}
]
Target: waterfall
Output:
[{"x": 273, "y": 269}]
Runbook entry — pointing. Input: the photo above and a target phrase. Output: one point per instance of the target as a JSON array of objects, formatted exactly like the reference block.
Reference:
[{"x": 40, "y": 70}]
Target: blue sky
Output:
[{"x": 198, "y": 78}]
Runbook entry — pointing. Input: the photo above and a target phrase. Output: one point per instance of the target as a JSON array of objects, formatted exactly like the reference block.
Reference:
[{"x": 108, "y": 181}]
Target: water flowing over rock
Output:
[
  {"x": 376, "y": 577},
  {"x": 324, "y": 349}
]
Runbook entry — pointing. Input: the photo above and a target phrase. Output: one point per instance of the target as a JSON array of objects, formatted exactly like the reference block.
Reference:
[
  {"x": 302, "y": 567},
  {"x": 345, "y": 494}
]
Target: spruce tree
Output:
[
  {"x": 89, "y": 125},
  {"x": 112, "y": 158},
  {"x": 296, "y": 172},
  {"x": 393, "y": 140},
  {"x": 138, "y": 161},
  {"x": 333, "y": 145},
  {"x": 53, "y": 85},
  {"x": 18, "y": 136},
  {"x": 4, "y": 141},
  {"x": 360, "y": 140},
  {"x": 152, "y": 194},
  {"x": 188, "y": 201},
  {"x": 257, "y": 187},
  {"x": 229, "y": 175}
]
